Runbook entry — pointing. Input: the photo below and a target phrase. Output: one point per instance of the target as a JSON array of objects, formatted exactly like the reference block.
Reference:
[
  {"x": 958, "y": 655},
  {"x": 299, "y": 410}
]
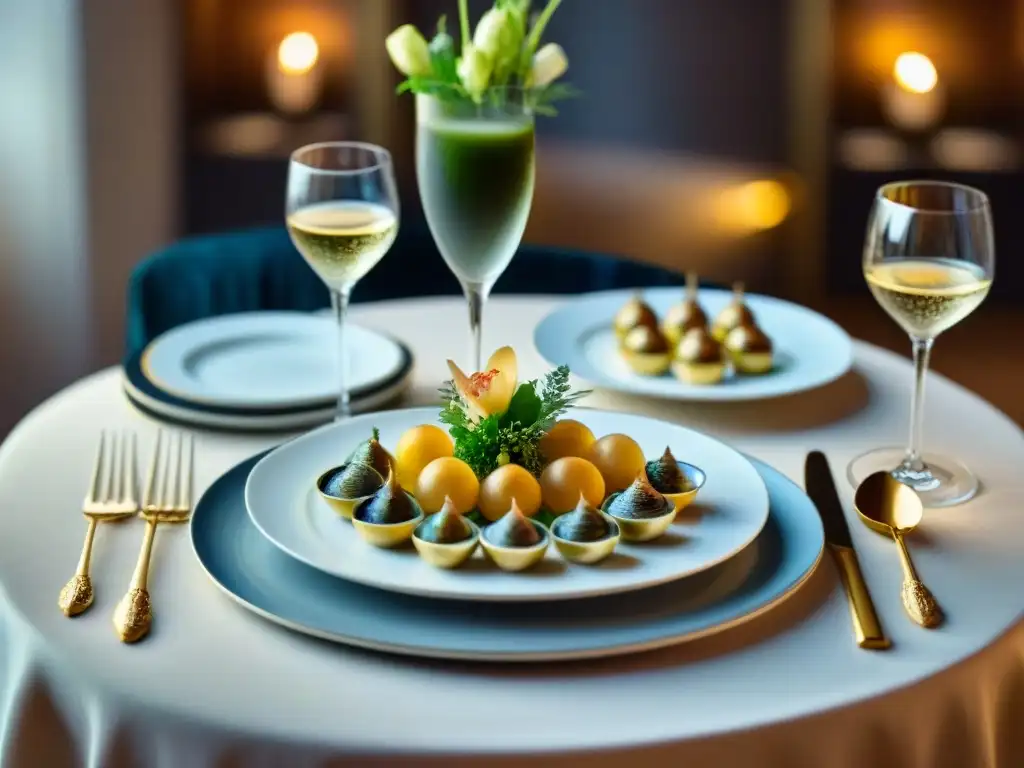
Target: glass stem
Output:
[
  {"x": 922, "y": 351},
  {"x": 339, "y": 303},
  {"x": 476, "y": 296}
]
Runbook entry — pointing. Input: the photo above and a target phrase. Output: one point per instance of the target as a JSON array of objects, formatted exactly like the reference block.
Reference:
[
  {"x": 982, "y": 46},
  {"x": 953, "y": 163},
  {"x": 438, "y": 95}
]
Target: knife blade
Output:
[{"x": 822, "y": 490}]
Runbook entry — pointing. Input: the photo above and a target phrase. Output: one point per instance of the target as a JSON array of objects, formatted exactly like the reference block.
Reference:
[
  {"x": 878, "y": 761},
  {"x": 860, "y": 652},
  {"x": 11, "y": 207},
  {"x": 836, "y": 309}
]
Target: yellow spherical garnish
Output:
[
  {"x": 447, "y": 476},
  {"x": 619, "y": 460},
  {"x": 563, "y": 481},
  {"x": 567, "y": 437},
  {"x": 505, "y": 484},
  {"x": 418, "y": 447}
]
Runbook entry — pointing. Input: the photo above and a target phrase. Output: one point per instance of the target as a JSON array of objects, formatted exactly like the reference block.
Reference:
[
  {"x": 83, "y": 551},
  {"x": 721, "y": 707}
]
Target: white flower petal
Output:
[
  {"x": 408, "y": 51},
  {"x": 549, "y": 64}
]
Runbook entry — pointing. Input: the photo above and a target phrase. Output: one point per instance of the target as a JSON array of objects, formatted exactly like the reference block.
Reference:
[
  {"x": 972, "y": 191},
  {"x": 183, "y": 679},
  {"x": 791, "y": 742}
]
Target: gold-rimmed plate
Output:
[{"x": 268, "y": 360}]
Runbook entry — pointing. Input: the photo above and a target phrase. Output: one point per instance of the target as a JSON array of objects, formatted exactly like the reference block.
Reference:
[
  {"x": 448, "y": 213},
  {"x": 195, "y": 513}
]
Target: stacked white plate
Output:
[
  {"x": 260, "y": 371},
  {"x": 266, "y": 538}
]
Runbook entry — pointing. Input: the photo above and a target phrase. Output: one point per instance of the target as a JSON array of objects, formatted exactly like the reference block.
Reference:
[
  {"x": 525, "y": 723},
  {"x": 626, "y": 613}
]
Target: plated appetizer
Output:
[
  {"x": 446, "y": 539},
  {"x": 685, "y": 315},
  {"x": 641, "y": 512},
  {"x": 510, "y": 476},
  {"x": 343, "y": 487},
  {"x": 585, "y": 535},
  {"x": 515, "y": 542},
  {"x": 388, "y": 517},
  {"x": 695, "y": 350},
  {"x": 678, "y": 481}
]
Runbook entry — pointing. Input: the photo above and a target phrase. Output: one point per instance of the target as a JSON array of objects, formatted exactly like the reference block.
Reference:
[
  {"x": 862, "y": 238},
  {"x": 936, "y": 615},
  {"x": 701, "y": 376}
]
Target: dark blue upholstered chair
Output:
[{"x": 261, "y": 270}]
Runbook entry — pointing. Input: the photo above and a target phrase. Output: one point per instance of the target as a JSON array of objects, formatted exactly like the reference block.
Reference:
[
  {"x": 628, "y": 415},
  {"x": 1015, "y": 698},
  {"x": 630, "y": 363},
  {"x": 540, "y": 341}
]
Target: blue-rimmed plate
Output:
[
  {"x": 264, "y": 580},
  {"x": 810, "y": 350}
]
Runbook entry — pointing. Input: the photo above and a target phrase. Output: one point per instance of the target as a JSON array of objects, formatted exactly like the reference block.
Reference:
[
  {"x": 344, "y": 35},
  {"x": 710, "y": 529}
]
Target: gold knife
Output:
[{"x": 822, "y": 490}]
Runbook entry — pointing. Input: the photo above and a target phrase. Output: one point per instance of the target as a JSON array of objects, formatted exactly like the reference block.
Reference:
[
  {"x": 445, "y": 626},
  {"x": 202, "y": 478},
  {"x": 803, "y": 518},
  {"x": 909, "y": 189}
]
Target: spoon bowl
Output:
[{"x": 885, "y": 504}]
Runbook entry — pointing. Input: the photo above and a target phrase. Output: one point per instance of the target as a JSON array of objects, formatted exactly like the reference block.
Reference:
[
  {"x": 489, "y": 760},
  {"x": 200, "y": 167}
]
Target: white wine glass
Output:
[
  {"x": 929, "y": 260},
  {"x": 342, "y": 215},
  {"x": 475, "y": 172}
]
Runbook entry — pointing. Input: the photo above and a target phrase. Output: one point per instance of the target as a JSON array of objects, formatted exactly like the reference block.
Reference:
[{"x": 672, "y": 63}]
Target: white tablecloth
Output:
[{"x": 215, "y": 685}]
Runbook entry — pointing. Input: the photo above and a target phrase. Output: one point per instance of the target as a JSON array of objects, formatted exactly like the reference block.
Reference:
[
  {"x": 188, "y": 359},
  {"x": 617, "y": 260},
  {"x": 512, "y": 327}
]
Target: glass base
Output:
[{"x": 943, "y": 482}]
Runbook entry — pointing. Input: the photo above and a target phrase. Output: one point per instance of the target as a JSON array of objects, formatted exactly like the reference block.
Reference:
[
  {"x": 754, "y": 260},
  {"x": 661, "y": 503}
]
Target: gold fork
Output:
[
  {"x": 112, "y": 496},
  {"x": 167, "y": 499}
]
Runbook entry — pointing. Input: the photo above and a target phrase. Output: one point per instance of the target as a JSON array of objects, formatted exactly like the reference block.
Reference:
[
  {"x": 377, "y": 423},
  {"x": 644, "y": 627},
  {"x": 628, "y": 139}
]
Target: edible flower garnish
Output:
[
  {"x": 488, "y": 391},
  {"x": 495, "y": 421}
]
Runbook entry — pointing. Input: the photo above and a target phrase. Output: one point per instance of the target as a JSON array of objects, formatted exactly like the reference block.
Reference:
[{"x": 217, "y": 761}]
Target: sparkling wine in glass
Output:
[
  {"x": 929, "y": 261},
  {"x": 475, "y": 172},
  {"x": 342, "y": 214}
]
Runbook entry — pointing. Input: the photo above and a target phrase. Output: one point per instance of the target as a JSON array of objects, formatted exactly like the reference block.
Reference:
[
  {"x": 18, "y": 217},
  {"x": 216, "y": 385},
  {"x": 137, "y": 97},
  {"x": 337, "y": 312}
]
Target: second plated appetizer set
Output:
[
  {"x": 511, "y": 478},
  {"x": 685, "y": 342}
]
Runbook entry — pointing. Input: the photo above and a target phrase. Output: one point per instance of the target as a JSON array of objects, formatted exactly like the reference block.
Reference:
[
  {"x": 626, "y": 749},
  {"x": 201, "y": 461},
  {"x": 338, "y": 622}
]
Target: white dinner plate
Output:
[
  {"x": 810, "y": 350},
  {"x": 267, "y": 360},
  {"x": 283, "y": 504}
]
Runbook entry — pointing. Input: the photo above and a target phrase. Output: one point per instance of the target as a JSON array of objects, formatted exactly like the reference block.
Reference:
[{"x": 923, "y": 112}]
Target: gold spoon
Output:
[{"x": 889, "y": 507}]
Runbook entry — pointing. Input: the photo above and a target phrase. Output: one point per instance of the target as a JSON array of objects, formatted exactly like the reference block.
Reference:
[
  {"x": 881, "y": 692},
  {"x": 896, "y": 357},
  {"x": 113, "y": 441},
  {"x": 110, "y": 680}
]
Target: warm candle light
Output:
[
  {"x": 913, "y": 100},
  {"x": 753, "y": 206},
  {"x": 297, "y": 53},
  {"x": 293, "y": 73},
  {"x": 915, "y": 72}
]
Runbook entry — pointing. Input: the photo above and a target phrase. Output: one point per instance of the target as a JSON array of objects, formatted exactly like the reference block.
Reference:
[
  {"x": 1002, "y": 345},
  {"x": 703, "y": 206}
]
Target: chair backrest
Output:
[{"x": 260, "y": 270}]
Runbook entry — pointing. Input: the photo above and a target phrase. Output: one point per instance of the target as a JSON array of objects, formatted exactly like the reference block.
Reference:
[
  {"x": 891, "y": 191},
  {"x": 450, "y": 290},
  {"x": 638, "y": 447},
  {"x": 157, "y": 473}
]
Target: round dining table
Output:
[{"x": 216, "y": 685}]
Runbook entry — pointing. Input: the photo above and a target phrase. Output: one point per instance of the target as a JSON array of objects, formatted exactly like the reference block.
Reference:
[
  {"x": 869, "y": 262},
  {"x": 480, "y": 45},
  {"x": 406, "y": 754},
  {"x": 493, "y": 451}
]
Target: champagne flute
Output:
[
  {"x": 929, "y": 260},
  {"x": 475, "y": 172},
  {"x": 342, "y": 215}
]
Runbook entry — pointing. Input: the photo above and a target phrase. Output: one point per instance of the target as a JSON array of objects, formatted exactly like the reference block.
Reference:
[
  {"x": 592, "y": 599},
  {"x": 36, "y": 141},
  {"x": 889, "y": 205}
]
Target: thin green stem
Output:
[
  {"x": 538, "y": 29},
  {"x": 464, "y": 23}
]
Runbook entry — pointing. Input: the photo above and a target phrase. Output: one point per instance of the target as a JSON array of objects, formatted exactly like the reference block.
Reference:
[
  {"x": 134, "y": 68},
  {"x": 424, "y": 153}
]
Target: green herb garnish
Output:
[{"x": 513, "y": 436}]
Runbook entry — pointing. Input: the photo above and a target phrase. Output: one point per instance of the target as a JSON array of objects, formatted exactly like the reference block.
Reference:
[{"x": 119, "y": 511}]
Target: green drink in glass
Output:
[{"x": 475, "y": 171}]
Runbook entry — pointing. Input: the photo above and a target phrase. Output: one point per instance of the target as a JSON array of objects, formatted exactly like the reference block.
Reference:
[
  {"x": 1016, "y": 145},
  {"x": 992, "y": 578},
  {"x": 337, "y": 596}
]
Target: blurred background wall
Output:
[
  {"x": 89, "y": 168},
  {"x": 739, "y": 138},
  {"x": 45, "y": 335}
]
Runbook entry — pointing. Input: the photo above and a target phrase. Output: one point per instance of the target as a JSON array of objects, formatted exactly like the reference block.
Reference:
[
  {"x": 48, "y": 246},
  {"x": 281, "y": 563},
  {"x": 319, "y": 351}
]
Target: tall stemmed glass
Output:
[
  {"x": 342, "y": 215},
  {"x": 475, "y": 171},
  {"x": 929, "y": 260}
]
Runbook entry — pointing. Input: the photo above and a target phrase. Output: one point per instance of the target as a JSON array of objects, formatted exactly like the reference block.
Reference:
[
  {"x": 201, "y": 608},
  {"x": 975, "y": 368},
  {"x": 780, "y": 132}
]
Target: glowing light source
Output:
[
  {"x": 913, "y": 100},
  {"x": 914, "y": 72},
  {"x": 297, "y": 53},
  {"x": 294, "y": 73},
  {"x": 754, "y": 206}
]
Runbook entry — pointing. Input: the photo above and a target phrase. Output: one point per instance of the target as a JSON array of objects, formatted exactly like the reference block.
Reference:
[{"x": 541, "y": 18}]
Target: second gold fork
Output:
[{"x": 167, "y": 499}]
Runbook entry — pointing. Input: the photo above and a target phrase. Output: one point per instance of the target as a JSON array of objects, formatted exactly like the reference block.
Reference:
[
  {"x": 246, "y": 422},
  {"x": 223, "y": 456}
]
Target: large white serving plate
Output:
[
  {"x": 268, "y": 360},
  {"x": 810, "y": 350},
  {"x": 283, "y": 504}
]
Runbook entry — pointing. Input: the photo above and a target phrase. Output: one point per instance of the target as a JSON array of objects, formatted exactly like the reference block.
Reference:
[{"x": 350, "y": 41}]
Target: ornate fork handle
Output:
[
  {"x": 77, "y": 595},
  {"x": 134, "y": 612},
  {"x": 112, "y": 496}
]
